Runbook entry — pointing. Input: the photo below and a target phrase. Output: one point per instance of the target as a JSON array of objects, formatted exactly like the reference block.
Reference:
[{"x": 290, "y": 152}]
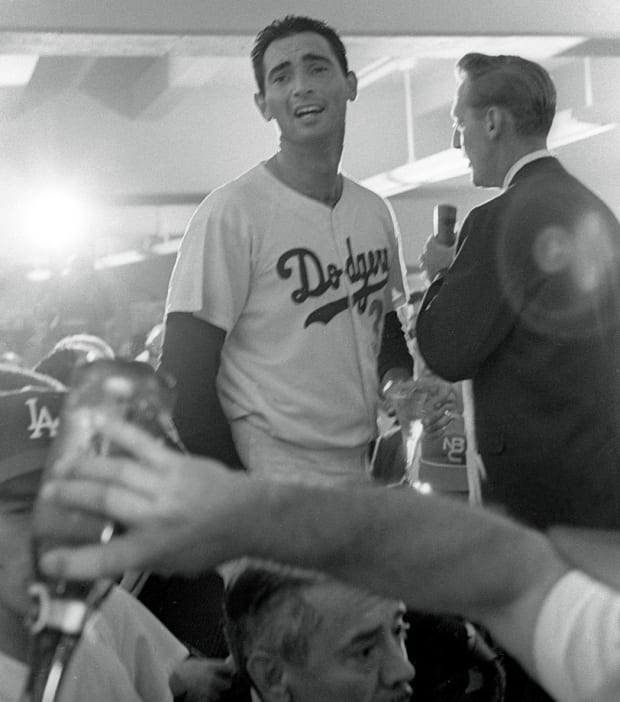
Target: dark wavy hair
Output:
[
  {"x": 285, "y": 27},
  {"x": 264, "y": 607}
]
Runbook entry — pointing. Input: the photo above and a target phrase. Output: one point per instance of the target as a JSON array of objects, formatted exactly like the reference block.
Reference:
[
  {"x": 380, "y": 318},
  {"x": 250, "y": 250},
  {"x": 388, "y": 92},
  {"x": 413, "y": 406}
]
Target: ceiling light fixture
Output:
[{"x": 17, "y": 69}]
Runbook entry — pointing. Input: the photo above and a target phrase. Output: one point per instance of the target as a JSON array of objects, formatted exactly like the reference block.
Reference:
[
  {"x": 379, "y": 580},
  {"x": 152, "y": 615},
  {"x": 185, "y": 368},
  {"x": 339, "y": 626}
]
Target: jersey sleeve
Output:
[
  {"x": 211, "y": 275},
  {"x": 577, "y": 641}
]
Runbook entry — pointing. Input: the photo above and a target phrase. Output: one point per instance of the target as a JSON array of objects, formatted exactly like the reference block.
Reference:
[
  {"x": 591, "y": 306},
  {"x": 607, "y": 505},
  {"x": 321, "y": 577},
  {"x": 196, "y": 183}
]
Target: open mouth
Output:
[{"x": 308, "y": 110}]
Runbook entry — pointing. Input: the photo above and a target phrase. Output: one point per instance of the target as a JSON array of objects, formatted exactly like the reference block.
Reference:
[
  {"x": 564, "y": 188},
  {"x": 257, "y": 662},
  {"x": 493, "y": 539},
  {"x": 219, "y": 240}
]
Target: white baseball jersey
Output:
[{"x": 301, "y": 290}]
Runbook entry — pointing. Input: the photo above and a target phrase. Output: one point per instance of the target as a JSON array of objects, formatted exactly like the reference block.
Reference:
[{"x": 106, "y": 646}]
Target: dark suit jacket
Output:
[{"x": 530, "y": 311}]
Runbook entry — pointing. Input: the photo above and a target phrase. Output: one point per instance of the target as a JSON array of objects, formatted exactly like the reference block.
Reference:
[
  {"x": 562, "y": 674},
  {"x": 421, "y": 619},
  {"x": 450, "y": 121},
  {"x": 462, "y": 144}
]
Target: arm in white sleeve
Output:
[{"x": 577, "y": 641}]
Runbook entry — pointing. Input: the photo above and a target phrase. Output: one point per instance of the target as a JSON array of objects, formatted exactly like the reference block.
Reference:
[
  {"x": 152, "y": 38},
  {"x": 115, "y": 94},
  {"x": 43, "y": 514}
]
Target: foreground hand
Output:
[
  {"x": 435, "y": 257},
  {"x": 166, "y": 501}
]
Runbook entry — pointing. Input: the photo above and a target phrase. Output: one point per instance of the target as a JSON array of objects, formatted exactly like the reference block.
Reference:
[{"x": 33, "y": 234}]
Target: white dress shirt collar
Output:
[{"x": 524, "y": 160}]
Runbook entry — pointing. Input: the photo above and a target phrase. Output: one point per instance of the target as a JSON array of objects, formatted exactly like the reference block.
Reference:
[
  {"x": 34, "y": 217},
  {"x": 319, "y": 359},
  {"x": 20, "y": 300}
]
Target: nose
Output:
[
  {"x": 301, "y": 83},
  {"x": 396, "y": 668},
  {"x": 456, "y": 139}
]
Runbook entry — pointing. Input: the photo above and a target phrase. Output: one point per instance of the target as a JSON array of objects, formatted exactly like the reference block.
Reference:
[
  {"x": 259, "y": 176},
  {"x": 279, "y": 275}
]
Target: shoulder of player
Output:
[{"x": 231, "y": 199}]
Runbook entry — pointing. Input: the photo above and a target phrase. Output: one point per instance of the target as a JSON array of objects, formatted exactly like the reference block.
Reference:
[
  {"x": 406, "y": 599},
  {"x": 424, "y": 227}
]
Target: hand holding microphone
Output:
[{"x": 438, "y": 251}]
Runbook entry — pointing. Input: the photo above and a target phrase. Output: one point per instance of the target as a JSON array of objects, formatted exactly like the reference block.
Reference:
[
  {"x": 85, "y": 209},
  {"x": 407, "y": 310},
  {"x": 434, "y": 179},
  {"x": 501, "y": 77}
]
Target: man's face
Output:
[
  {"x": 471, "y": 136},
  {"x": 306, "y": 91},
  {"x": 357, "y": 653}
]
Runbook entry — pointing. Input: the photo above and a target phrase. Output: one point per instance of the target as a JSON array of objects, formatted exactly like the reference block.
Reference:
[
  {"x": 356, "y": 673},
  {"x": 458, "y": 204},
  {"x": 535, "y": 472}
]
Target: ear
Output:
[
  {"x": 351, "y": 80},
  {"x": 267, "y": 674},
  {"x": 261, "y": 103},
  {"x": 495, "y": 122}
]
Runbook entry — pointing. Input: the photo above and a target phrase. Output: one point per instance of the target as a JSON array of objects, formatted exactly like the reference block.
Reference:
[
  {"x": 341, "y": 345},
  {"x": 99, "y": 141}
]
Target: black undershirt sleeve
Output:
[
  {"x": 191, "y": 355},
  {"x": 394, "y": 352}
]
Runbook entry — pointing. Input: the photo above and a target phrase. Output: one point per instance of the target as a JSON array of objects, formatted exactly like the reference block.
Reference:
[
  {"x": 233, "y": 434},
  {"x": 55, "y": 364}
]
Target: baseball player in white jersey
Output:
[{"x": 281, "y": 313}]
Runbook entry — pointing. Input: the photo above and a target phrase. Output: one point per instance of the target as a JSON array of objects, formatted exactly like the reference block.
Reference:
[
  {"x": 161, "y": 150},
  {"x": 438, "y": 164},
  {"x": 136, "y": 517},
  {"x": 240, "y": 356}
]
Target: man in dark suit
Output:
[
  {"x": 527, "y": 314},
  {"x": 528, "y": 309}
]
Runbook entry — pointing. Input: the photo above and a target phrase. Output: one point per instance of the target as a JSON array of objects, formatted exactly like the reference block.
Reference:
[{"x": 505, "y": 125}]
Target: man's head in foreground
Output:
[{"x": 302, "y": 638}]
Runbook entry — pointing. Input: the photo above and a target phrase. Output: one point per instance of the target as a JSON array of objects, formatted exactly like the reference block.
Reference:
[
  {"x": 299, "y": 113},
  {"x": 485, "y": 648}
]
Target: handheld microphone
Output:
[{"x": 444, "y": 223}]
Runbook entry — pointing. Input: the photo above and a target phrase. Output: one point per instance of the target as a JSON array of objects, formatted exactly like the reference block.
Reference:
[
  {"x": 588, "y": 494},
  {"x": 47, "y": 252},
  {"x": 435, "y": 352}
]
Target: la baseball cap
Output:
[{"x": 29, "y": 419}]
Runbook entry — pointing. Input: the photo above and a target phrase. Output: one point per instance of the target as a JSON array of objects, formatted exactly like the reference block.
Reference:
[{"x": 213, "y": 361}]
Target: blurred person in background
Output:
[
  {"x": 81, "y": 299},
  {"x": 78, "y": 301}
]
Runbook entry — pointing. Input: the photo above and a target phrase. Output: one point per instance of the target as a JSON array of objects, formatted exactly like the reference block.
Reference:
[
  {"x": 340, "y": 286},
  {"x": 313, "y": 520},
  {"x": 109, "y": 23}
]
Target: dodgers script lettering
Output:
[{"x": 368, "y": 270}]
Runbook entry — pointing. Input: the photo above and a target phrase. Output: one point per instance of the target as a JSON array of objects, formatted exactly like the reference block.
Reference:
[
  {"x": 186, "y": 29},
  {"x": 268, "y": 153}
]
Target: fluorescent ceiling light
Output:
[
  {"x": 381, "y": 68},
  {"x": 450, "y": 163},
  {"x": 124, "y": 258},
  {"x": 39, "y": 275},
  {"x": 17, "y": 69},
  {"x": 169, "y": 246},
  {"x": 441, "y": 166}
]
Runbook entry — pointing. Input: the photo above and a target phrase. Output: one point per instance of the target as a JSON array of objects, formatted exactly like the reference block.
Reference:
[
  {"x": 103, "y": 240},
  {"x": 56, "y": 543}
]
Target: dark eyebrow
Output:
[
  {"x": 307, "y": 58},
  {"x": 279, "y": 67},
  {"x": 316, "y": 57}
]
